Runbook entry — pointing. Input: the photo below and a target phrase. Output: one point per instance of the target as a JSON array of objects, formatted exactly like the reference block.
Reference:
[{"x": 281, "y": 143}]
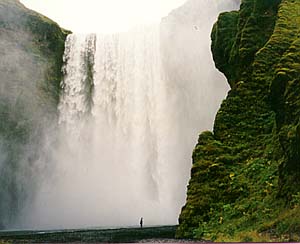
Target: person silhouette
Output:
[{"x": 141, "y": 222}]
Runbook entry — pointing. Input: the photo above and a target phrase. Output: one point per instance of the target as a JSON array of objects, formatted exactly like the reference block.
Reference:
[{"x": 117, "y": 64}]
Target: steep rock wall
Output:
[
  {"x": 31, "y": 48},
  {"x": 245, "y": 178}
]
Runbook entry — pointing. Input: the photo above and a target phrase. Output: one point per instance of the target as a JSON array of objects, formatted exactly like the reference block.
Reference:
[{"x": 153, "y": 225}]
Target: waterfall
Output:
[
  {"x": 131, "y": 108},
  {"x": 77, "y": 84},
  {"x": 116, "y": 129}
]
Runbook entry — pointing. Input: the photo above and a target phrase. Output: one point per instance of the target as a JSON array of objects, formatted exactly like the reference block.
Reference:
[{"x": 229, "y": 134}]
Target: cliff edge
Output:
[
  {"x": 245, "y": 177},
  {"x": 31, "y": 48}
]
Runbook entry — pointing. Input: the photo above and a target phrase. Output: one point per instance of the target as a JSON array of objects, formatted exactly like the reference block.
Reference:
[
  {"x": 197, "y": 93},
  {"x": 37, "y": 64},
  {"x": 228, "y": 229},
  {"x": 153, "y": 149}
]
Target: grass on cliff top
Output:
[{"x": 19, "y": 9}]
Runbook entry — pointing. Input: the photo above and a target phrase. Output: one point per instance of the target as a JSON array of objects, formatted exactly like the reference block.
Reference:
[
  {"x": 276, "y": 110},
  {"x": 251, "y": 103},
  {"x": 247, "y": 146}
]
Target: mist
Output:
[
  {"x": 27, "y": 111},
  {"x": 132, "y": 106}
]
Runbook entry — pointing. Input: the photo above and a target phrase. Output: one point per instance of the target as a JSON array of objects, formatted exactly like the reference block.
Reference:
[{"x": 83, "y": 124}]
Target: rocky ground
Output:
[{"x": 161, "y": 234}]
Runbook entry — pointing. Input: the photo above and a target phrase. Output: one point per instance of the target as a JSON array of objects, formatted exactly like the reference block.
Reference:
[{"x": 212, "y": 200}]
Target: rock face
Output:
[
  {"x": 31, "y": 48},
  {"x": 245, "y": 178}
]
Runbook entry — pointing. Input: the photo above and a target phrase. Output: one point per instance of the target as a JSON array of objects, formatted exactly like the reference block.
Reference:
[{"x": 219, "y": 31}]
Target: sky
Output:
[{"x": 85, "y": 16}]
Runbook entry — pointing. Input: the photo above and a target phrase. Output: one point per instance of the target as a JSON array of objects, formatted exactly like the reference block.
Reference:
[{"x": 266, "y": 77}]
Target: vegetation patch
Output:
[{"x": 245, "y": 178}]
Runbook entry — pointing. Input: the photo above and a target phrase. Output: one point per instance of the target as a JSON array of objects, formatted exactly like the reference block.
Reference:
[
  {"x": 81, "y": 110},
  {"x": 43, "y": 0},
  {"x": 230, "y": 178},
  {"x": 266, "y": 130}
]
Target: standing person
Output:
[{"x": 141, "y": 222}]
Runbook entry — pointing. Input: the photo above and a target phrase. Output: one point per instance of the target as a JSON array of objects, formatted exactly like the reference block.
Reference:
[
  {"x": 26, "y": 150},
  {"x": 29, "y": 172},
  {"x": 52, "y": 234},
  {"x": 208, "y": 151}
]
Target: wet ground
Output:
[{"x": 160, "y": 234}]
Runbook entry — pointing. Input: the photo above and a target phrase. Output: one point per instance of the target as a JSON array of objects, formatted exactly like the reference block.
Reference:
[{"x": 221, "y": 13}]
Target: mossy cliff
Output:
[
  {"x": 31, "y": 48},
  {"x": 245, "y": 179}
]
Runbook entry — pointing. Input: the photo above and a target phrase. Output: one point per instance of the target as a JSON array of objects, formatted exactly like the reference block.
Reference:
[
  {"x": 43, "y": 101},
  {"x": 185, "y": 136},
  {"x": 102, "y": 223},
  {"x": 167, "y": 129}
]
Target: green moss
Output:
[
  {"x": 246, "y": 173},
  {"x": 49, "y": 43}
]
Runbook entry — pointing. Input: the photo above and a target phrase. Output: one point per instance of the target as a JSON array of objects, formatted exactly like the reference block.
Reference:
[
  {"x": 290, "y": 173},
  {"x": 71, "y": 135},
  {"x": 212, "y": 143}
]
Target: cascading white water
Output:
[
  {"x": 131, "y": 108},
  {"x": 116, "y": 132},
  {"x": 74, "y": 102}
]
